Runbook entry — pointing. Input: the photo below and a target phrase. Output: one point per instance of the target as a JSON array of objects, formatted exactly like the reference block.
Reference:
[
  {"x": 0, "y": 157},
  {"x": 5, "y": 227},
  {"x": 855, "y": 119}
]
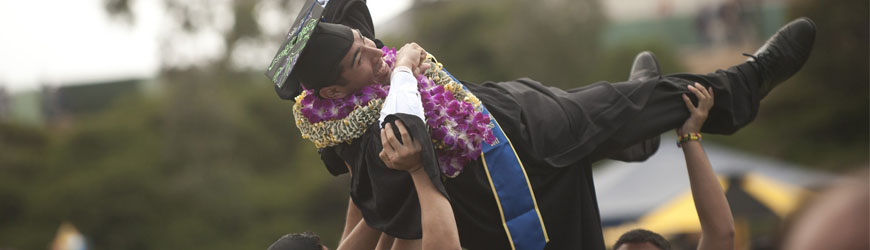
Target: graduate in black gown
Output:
[{"x": 557, "y": 134}]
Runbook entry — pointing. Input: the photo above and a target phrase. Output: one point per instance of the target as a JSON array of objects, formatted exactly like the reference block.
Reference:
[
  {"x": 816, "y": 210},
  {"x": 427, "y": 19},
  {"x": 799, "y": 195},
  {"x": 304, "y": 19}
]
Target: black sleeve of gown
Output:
[
  {"x": 333, "y": 162},
  {"x": 638, "y": 152},
  {"x": 420, "y": 132},
  {"x": 386, "y": 197}
]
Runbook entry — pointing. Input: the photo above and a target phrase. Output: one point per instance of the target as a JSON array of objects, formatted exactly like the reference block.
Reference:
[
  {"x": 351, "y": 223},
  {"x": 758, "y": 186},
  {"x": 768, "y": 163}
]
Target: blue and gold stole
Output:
[{"x": 519, "y": 210}]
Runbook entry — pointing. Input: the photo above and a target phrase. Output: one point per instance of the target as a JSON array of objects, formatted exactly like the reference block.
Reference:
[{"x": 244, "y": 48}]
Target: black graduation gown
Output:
[
  {"x": 557, "y": 134},
  {"x": 388, "y": 201}
]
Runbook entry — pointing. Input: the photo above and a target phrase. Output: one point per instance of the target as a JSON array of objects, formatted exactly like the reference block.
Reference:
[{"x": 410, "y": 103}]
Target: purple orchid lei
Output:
[
  {"x": 458, "y": 129},
  {"x": 457, "y": 126},
  {"x": 320, "y": 109}
]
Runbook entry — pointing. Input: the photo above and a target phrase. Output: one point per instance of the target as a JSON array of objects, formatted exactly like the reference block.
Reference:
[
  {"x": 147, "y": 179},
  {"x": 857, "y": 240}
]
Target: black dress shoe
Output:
[
  {"x": 784, "y": 53},
  {"x": 645, "y": 67}
]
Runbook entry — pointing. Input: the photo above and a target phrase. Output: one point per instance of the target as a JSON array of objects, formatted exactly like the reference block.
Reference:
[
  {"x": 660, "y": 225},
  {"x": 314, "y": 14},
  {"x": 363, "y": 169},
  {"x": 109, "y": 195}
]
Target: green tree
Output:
[
  {"x": 149, "y": 174},
  {"x": 820, "y": 116},
  {"x": 551, "y": 41}
]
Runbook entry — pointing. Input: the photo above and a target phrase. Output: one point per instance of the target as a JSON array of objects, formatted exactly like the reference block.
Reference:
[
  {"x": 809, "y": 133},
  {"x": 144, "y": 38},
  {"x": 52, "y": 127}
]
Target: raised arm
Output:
[
  {"x": 439, "y": 225},
  {"x": 354, "y": 216},
  {"x": 403, "y": 98},
  {"x": 356, "y": 234},
  {"x": 717, "y": 223},
  {"x": 360, "y": 236}
]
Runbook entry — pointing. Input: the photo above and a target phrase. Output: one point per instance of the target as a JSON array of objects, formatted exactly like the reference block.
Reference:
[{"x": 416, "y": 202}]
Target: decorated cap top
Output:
[{"x": 310, "y": 54}]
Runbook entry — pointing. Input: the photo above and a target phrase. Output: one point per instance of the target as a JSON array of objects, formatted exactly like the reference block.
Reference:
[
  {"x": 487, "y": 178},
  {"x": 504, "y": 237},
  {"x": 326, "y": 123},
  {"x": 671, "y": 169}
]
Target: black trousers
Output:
[
  {"x": 598, "y": 120},
  {"x": 557, "y": 134}
]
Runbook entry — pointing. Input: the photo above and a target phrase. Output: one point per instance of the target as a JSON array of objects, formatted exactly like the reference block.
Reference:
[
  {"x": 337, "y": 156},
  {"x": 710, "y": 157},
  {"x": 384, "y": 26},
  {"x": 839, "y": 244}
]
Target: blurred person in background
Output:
[
  {"x": 638, "y": 239},
  {"x": 298, "y": 241},
  {"x": 836, "y": 218}
]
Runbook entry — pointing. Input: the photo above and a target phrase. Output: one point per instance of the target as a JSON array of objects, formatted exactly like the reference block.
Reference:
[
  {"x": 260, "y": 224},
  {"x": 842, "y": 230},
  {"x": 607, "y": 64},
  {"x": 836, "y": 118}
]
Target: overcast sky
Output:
[{"x": 71, "y": 41}]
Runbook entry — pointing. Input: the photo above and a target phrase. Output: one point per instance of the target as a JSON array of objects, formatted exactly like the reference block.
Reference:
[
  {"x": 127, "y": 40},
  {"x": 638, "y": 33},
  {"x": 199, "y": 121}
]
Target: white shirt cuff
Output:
[{"x": 404, "y": 97}]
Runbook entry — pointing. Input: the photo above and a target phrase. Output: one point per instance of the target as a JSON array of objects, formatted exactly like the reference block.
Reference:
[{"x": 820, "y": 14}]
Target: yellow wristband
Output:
[{"x": 688, "y": 137}]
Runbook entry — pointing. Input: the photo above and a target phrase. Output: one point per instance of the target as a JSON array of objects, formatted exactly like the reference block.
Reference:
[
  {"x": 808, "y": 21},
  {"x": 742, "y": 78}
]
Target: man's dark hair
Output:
[
  {"x": 641, "y": 236},
  {"x": 303, "y": 241}
]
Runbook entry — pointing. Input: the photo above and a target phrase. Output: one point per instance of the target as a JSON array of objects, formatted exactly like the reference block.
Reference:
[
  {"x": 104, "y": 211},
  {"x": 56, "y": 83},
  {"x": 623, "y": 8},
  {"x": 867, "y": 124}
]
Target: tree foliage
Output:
[
  {"x": 223, "y": 168},
  {"x": 551, "y": 41},
  {"x": 821, "y": 116}
]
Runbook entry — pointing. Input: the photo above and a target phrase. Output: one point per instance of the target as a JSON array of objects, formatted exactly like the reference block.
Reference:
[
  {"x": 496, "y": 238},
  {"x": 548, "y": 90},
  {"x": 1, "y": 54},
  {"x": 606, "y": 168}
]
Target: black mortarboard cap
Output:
[
  {"x": 351, "y": 13},
  {"x": 318, "y": 65},
  {"x": 310, "y": 53}
]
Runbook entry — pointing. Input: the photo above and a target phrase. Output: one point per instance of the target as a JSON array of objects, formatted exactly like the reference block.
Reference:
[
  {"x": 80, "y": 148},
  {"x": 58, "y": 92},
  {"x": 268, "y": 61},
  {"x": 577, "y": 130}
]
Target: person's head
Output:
[
  {"x": 641, "y": 239},
  {"x": 303, "y": 241},
  {"x": 339, "y": 61},
  {"x": 836, "y": 218}
]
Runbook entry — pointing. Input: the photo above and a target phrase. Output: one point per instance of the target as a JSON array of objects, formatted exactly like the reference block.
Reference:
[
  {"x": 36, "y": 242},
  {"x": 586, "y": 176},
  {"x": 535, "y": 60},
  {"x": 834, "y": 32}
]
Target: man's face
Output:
[{"x": 363, "y": 64}]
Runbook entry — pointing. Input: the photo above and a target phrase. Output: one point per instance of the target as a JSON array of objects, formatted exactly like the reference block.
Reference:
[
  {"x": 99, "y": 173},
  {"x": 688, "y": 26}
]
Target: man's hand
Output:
[
  {"x": 697, "y": 114},
  {"x": 412, "y": 56},
  {"x": 399, "y": 156},
  {"x": 436, "y": 214}
]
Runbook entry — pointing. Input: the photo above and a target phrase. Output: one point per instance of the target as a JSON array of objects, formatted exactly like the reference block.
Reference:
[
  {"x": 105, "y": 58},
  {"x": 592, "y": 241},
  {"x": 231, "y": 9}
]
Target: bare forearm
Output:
[
  {"x": 385, "y": 242},
  {"x": 717, "y": 223},
  {"x": 354, "y": 216},
  {"x": 361, "y": 237},
  {"x": 439, "y": 225},
  {"x": 401, "y": 244}
]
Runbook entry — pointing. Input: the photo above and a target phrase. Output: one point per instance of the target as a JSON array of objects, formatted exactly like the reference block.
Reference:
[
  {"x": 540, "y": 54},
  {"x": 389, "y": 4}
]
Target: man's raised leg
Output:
[
  {"x": 610, "y": 117},
  {"x": 645, "y": 67}
]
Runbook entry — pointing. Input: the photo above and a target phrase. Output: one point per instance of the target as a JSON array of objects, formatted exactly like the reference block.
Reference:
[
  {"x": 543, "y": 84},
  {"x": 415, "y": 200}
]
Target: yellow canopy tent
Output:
[{"x": 679, "y": 215}]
